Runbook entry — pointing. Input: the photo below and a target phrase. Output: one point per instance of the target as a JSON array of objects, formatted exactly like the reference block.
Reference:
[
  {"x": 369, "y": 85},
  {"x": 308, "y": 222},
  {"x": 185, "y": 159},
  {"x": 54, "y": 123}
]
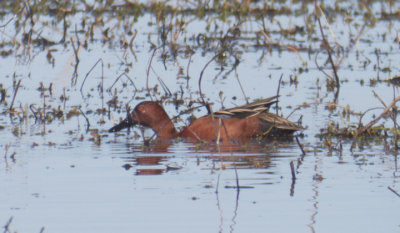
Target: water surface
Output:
[{"x": 68, "y": 174}]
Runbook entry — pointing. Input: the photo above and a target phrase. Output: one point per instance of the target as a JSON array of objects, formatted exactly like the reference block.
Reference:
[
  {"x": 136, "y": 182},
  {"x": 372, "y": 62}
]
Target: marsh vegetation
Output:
[{"x": 69, "y": 70}]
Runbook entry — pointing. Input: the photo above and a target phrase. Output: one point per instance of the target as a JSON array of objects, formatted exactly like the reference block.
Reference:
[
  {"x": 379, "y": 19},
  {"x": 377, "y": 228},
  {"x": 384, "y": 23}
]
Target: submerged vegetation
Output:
[{"x": 173, "y": 33}]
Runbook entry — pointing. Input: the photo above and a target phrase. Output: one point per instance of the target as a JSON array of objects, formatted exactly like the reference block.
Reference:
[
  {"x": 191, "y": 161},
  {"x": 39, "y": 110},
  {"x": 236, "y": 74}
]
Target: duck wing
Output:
[
  {"x": 270, "y": 120},
  {"x": 248, "y": 110}
]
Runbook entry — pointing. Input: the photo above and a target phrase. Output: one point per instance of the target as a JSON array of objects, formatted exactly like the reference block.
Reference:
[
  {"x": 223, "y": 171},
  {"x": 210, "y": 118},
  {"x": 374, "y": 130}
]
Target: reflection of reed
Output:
[
  {"x": 317, "y": 178},
  {"x": 293, "y": 169},
  {"x": 242, "y": 162},
  {"x": 315, "y": 206},
  {"x": 292, "y": 186},
  {"x": 395, "y": 174},
  {"x": 221, "y": 215},
  {"x": 235, "y": 211},
  {"x": 12, "y": 156}
]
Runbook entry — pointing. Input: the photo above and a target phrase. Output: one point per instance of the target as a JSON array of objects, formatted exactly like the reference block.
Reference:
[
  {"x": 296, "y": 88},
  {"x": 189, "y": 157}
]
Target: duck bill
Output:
[{"x": 122, "y": 125}]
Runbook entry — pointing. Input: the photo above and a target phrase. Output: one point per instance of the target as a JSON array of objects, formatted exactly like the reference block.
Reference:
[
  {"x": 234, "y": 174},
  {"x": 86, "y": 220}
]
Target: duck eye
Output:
[{"x": 141, "y": 109}]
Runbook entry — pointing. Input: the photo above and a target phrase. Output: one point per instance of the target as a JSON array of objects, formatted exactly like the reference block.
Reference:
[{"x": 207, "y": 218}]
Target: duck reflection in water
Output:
[
  {"x": 145, "y": 165},
  {"x": 157, "y": 165}
]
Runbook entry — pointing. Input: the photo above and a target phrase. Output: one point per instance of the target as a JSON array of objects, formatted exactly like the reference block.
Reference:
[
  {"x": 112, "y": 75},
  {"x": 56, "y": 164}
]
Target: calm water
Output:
[{"x": 57, "y": 175}]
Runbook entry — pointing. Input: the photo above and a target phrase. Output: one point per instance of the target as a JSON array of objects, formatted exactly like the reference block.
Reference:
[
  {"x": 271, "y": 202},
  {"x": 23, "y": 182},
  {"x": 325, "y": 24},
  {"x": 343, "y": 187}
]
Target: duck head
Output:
[{"x": 148, "y": 114}]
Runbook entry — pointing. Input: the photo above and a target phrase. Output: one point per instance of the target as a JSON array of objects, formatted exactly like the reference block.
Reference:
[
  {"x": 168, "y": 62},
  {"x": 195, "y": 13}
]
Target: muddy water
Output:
[{"x": 57, "y": 175}]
